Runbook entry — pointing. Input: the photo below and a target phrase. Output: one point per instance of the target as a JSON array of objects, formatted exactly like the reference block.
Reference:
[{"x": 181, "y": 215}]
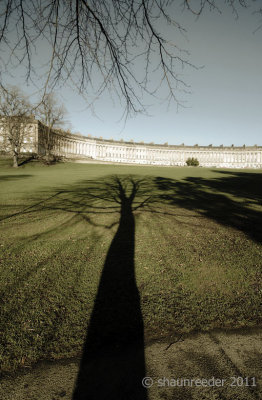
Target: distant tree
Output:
[
  {"x": 52, "y": 115},
  {"x": 193, "y": 162},
  {"x": 15, "y": 110}
]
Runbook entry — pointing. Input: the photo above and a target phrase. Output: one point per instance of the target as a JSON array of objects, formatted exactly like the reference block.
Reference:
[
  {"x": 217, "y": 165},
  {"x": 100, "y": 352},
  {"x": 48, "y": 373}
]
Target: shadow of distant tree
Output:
[
  {"x": 14, "y": 177},
  {"x": 231, "y": 201}
]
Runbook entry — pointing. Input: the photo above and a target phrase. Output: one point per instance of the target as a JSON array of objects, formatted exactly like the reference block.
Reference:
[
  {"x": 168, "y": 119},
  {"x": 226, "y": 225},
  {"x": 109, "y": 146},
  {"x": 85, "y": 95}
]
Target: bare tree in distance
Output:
[
  {"x": 102, "y": 45},
  {"x": 15, "y": 110},
  {"x": 52, "y": 114}
]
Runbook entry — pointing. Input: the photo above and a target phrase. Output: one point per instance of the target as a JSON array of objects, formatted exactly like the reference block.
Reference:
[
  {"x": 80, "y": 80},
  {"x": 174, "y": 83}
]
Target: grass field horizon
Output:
[{"x": 196, "y": 253}]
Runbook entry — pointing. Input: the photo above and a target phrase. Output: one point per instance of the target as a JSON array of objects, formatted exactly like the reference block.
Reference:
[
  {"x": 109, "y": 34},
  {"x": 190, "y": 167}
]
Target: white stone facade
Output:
[{"x": 76, "y": 146}]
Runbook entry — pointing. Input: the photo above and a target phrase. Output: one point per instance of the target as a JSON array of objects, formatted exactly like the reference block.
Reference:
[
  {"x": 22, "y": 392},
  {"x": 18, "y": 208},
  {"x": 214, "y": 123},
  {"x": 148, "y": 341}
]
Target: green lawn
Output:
[{"x": 197, "y": 251}]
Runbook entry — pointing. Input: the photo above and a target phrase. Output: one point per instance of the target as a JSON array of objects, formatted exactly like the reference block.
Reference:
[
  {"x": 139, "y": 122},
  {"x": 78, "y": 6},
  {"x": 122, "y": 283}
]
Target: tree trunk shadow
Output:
[{"x": 113, "y": 362}]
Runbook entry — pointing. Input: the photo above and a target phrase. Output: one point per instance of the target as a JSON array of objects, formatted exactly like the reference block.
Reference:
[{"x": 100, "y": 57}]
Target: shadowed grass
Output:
[{"x": 197, "y": 253}]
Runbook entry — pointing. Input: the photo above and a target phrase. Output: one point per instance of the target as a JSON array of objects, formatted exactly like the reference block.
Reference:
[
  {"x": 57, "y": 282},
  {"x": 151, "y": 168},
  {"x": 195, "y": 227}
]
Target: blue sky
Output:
[{"x": 225, "y": 104}]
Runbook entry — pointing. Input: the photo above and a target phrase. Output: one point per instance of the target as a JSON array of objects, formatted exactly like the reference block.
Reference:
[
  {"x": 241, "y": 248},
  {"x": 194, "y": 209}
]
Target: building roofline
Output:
[{"x": 153, "y": 145}]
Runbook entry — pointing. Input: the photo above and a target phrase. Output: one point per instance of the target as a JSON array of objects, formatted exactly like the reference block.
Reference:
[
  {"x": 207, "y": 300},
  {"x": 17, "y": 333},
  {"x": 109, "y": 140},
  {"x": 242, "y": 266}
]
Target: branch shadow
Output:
[{"x": 234, "y": 200}]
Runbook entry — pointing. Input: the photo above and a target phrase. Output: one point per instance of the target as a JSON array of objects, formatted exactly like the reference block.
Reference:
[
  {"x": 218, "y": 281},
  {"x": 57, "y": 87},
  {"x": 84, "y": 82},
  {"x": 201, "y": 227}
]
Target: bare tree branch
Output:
[
  {"x": 15, "y": 110},
  {"x": 100, "y": 45},
  {"x": 52, "y": 115}
]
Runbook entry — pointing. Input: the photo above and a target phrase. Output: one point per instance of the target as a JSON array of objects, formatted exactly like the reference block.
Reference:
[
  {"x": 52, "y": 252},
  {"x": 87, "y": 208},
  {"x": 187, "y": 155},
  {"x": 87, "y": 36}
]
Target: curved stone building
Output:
[{"x": 69, "y": 145}]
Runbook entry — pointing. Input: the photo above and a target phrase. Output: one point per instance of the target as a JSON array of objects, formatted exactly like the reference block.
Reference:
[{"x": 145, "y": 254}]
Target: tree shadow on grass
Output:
[
  {"x": 234, "y": 200},
  {"x": 14, "y": 177},
  {"x": 113, "y": 363},
  {"x": 245, "y": 185}
]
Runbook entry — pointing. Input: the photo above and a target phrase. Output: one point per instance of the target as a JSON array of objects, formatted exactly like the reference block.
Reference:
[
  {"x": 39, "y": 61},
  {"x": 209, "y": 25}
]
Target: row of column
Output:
[
  {"x": 107, "y": 151},
  {"x": 72, "y": 147}
]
